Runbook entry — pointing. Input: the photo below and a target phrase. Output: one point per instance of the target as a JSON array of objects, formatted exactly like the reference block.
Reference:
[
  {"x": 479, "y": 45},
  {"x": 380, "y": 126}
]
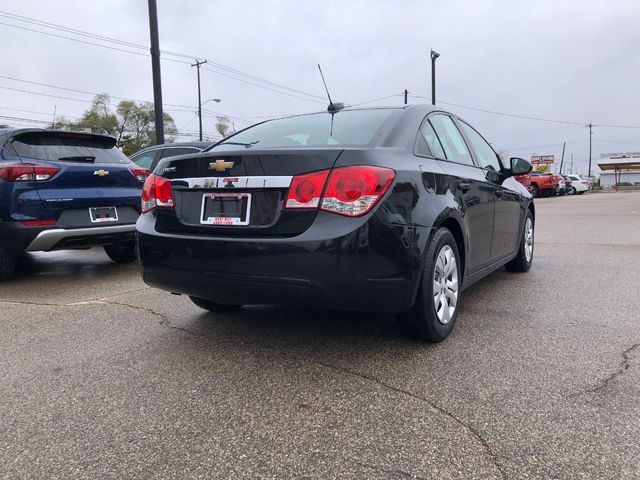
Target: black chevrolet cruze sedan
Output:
[{"x": 391, "y": 210}]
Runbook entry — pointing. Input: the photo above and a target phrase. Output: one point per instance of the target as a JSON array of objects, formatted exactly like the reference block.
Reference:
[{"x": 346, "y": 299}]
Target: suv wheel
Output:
[
  {"x": 7, "y": 263},
  {"x": 524, "y": 259},
  {"x": 434, "y": 314},
  {"x": 212, "y": 306},
  {"x": 123, "y": 252}
]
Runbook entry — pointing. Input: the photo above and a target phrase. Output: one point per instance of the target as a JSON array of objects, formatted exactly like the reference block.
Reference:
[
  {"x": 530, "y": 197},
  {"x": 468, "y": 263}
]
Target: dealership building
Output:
[{"x": 619, "y": 168}]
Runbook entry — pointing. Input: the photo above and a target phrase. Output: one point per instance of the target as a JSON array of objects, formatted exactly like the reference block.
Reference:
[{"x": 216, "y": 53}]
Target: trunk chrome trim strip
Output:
[{"x": 234, "y": 182}]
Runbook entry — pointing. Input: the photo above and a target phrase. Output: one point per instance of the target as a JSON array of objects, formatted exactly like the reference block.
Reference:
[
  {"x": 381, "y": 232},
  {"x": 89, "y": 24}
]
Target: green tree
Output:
[
  {"x": 132, "y": 124},
  {"x": 99, "y": 118},
  {"x": 223, "y": 126}
]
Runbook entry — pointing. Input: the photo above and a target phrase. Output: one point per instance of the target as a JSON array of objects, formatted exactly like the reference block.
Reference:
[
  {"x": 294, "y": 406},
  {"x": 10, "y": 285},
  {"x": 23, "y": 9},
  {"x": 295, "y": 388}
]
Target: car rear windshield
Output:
[
  {"x": 345, "y": 128},
  {"x": 67, "y": 147}
]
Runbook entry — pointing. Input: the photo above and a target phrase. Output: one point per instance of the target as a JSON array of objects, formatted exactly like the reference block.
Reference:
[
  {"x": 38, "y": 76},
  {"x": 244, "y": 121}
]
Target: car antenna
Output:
[{"x": 333, "y": 107}]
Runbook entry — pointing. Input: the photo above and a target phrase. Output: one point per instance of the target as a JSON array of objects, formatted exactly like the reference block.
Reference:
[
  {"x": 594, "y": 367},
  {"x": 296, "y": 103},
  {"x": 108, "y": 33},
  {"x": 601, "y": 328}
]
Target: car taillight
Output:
[
  {"x": 156, "y": 192},
  {"x": 27, "y": 172},
  {"x": 353, "y": 191},
  {"x": 305, "y": 190},
  {"x": 140, "y": 173}
]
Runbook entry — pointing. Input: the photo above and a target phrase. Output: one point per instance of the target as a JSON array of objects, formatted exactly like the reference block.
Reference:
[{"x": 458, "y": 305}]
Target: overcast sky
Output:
[{"x": 577, "y": 61}]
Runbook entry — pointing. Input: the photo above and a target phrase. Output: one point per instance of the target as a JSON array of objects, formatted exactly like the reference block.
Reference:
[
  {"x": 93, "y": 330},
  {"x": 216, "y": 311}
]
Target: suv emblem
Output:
[
  {"x": 101, "y": 173},
  {"x": 220, "y": 165}
]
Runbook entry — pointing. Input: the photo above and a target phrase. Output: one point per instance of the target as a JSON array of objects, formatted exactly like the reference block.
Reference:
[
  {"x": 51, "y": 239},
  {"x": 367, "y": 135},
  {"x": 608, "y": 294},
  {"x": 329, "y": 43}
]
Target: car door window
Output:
[
  {"x": 144, "y": 160},
  {"x": 451, "y": 139},
  {"x": 172, "y": 152},
  {"x": 486, "y": 155},
  {"x": 431, "y": 139}
]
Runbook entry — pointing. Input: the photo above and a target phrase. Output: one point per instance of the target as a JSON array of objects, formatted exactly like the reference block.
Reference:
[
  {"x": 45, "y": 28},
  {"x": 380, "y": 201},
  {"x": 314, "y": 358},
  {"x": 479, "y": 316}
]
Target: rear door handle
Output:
[{"x": 464, "y": 186}]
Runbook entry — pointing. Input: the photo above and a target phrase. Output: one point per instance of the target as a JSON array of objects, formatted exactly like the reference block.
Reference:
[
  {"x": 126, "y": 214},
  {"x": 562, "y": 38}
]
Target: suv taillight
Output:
[
  {"x": 350, "y": 191},
  {"x": 25, "y": 172},
  {"x": 140, "y": 173},
  {"x": 156, "y": 192}
]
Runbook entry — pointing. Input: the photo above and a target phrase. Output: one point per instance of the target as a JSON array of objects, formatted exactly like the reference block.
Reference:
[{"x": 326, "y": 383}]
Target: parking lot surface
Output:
[{"x": 103, "y": 377}]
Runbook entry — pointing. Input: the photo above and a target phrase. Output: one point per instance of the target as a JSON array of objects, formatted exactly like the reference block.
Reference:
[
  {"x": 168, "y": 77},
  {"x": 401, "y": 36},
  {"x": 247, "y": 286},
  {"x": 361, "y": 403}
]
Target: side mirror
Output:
[{"x": 519, "y": 166}]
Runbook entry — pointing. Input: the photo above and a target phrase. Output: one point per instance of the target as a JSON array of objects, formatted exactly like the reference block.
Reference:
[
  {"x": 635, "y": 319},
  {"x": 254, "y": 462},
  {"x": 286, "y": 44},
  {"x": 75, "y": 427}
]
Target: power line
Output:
[
  {"x": 526, "y": 117},
  {"x": 376, "y": 100},
  {"x": 36, "y": 112},
  {"x": 186, "y": 108},
  {"x": 262, "y": 86},
  {"x": 103, "y": 38}
]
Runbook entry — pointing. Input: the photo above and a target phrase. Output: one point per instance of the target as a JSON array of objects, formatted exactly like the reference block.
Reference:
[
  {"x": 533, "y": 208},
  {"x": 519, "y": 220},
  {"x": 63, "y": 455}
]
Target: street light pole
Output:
[
  {"x": 197, "y": 65},
  {"x": 434, "y": 56},
  {"x": 590, "y": 134},
  {"x": 155, "y": 68}
]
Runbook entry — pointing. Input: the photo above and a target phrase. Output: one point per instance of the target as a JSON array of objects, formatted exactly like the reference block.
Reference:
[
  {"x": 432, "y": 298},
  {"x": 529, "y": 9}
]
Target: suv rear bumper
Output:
[{"x": 80, "y": 237}]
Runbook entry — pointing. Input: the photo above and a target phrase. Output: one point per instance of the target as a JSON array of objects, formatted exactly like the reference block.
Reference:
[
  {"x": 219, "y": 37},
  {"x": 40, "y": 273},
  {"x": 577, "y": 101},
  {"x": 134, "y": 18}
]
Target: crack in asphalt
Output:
[
  {"x": 604, "y": 383},
  {"x": 384, "y": 470},
  {"x": 470, "y": 428},
  {"x": 73, "y": 304},
  {"x": 165, "y": 322},
  {"x": 164, "y": 319}
]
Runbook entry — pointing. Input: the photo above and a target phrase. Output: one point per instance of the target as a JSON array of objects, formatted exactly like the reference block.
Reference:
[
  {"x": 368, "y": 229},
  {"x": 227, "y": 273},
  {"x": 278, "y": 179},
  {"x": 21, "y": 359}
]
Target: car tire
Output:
[
  {"x": 7, "y": 263},
  {"x": 124, "y": 252},
  {"x": 432, "y": 317},
  {"x": 572, "y": 191},
  {"x": 213, "y": 306},
  {"x": 524, "y": 259},
  {"x": 536, "y": 191}
]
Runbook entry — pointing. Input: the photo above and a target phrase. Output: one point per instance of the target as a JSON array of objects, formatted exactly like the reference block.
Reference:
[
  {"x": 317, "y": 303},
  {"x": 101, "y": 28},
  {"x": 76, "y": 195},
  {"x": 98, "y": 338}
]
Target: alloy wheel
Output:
[
  {"x": 445, "y": 284},
  {"x": 528, "y": 239}
]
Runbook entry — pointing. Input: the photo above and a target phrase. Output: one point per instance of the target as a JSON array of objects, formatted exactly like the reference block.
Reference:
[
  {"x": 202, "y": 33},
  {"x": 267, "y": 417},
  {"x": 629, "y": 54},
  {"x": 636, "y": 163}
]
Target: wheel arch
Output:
[{"x": 454, "y": 225}]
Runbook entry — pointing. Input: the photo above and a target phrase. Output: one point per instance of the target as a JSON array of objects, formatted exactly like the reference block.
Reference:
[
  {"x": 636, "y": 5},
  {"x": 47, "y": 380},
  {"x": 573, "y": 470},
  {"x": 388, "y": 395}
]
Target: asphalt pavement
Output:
[{"x": 103, "y": 377}]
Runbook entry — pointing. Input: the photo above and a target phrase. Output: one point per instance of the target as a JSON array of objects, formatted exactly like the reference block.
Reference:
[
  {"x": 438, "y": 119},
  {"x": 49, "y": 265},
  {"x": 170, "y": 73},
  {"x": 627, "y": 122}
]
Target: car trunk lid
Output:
[{"x": 248, "y": 188}]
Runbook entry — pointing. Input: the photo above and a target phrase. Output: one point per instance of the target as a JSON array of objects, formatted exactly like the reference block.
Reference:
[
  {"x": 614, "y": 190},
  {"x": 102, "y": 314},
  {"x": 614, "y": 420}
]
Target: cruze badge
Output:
[
  {"x": 220, "y": 165},
  {"x": 101, "y": 173}
]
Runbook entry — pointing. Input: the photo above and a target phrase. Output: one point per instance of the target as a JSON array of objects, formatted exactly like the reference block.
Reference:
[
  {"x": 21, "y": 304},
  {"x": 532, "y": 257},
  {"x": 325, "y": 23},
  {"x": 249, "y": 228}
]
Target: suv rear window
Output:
[
  {"x": 345, "y": 128},
  {"x": 69, "y": 147}
]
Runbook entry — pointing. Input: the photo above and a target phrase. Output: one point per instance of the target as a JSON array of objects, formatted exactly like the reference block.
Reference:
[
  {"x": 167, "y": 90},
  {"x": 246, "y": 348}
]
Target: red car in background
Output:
[
  {"x": 525, "y": 181},
  {"x": 546, "y": 184}
]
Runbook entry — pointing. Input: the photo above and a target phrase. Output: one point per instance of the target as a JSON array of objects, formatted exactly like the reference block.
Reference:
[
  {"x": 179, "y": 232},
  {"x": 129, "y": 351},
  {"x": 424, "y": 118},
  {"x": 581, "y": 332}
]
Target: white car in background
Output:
[{"x": 579, "y": 185}]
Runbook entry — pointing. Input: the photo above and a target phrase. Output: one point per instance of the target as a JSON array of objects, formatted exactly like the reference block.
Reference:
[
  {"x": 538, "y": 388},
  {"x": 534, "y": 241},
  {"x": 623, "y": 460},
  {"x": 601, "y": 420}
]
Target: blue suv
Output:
[{"x": 66, "y": 190}]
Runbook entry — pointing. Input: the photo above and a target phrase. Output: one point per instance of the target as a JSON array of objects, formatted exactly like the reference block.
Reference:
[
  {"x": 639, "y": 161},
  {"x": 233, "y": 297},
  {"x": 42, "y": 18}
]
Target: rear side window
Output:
[
  {"x": 451, "y": 139},
  {"x": 67, "y": 147},
  {"x": 487, "y": 157},
  {"x": 344, "y": 128},
  {"x": 431, "y": 139},
  {"x": 175, "y": 151},
  {"x": 144, "y": 160}
]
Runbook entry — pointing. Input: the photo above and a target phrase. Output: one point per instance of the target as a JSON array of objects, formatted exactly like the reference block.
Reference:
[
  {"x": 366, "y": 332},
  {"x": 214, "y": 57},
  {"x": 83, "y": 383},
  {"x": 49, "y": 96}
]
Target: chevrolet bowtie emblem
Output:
[
  {"x": 101, "y": 173},
  {"x": 220, "y": 165}
]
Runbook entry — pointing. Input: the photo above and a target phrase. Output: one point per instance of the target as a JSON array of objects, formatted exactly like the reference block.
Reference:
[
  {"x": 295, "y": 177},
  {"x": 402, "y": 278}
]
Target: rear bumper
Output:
[
  {"x": 341, "y": 263},
  {"x": 61, "y": 238}
]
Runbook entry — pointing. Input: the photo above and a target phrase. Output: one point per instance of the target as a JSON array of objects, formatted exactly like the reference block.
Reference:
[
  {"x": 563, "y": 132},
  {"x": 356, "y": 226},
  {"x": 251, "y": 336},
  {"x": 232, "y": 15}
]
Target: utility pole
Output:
[
  {"x": 571, "y": 167},
  {"x": 406, "y": 92},
  {"x": 590, "y": 134},
  {"x": 434, "y": 56},
  {"x": 155, "y": 68},
  {"x": 197, "y": 65},
  {"x": 564, "y": 144},
  {"x": 55, "y": 109}
]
